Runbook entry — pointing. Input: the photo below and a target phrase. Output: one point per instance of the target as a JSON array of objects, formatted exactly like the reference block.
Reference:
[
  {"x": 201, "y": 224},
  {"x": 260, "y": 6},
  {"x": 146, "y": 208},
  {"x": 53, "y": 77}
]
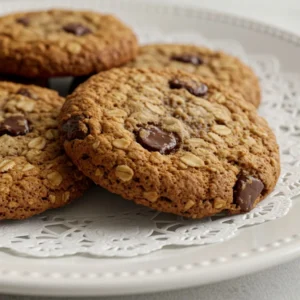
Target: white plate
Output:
[{"x": 258, "y": 247}]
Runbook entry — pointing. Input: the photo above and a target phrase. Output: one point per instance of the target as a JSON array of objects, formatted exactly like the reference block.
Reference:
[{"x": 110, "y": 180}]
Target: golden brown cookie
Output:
[
  {"x": 226, "y": 69},
  {"x": 35, "y": 174},
  {"x": 170, "y": 140},
  {"x": 63, "y": 43}
]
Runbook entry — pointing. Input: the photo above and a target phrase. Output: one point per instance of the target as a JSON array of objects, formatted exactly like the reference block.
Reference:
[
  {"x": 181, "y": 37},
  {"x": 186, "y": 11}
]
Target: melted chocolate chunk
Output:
[
  {"x": 77, "y": 29},
  {"x": 246, "y": 190},
  {"x": 154, "y": 138},
  {"x": 176, "y": 84},
  {"x": 199, "y": 90},
  {"x": 14, "y": 126},
  {"x": 196, "y": 89},
  {"x": 23, "y": 20},
  {"x": 74, "y": 128},
  {"x": 188, "y": 58}
]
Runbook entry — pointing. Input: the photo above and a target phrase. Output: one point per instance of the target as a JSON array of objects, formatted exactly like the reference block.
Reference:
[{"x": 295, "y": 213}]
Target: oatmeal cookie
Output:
[
  {"x": 35, "y": 173},
  {"x": 226, "y": 69},
  {"x": 170, "y": 140},
  {"x": 63, "y": 43}
]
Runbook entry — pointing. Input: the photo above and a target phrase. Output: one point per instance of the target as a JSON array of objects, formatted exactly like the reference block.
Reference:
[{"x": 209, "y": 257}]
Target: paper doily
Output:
[{"x": 123, "y": 229}]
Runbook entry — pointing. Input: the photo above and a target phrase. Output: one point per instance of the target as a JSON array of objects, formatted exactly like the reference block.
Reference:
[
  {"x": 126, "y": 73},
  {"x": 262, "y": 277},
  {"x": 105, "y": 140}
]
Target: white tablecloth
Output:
[{"x": 281, "y": 282}]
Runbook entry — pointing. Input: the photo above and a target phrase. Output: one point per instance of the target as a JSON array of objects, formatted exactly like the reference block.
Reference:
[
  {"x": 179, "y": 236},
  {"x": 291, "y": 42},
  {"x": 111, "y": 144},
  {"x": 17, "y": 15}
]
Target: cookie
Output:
[
  {"x": 226, "y": 69},
  {"x": 35, "y": 173},
  {"x": 63, "y": 43},
  {"x": 170, "y": 140}
]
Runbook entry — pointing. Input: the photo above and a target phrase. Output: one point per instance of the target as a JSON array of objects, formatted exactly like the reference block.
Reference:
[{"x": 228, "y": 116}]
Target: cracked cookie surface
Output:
[
  {"x": 226, "y": 69},
  {"x": 63, "y": 43},
  {"x": 170, "y": 140},
  {"x": 35, "y": 173}
]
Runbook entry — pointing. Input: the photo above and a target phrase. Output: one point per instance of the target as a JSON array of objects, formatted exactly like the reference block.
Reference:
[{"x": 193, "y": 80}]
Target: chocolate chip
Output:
[
  {"x": 23, "y": 20},
  {"x": 77, "y": 29},
  {"x": 154, "y": 138},
  {"x": 24, "y": 92},
  {"x": 74, "y": 128},
  {"x": 176, "y": 84},
  {"x": 14, "y": 126},
  {"x": 199, "y": 90},
  {"x": 246, "y": 190},
  {"x": 193, "y": 87},
  {"x": 188, "y": 58}
]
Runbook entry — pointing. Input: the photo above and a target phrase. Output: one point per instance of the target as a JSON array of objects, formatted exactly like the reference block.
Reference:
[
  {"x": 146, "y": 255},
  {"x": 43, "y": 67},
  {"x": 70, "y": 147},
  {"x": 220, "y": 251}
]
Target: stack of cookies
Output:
[{"x": 170, "y": 127}]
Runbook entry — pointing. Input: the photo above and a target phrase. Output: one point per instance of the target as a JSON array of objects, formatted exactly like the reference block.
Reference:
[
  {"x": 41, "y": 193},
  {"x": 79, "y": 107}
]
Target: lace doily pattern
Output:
[{"x": 122, "y": 229}]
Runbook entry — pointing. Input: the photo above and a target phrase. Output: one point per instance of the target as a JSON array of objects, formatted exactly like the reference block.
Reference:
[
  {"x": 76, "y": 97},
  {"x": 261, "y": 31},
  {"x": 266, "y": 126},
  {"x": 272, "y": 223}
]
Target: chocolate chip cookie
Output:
[
  {"x": 63, "y": 43},
  {"x": 35, "y": 174},
  {"x": 226, "y": 69},
  {"x": 170, "y": 140}
]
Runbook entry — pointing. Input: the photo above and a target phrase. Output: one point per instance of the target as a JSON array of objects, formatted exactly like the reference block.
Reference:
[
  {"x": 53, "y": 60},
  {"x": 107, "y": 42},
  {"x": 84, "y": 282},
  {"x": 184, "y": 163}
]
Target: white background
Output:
[{"x": 279, "y": 283}]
